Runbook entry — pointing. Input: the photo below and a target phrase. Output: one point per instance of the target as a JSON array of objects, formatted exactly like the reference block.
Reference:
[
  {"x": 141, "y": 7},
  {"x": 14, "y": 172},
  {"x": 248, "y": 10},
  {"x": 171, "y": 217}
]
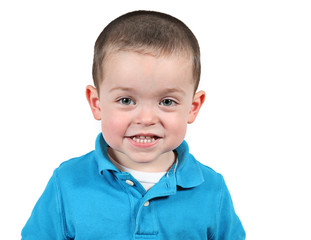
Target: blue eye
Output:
[
  {"x": 126, "y": 101},
  {"x": 167, "y": 102}
]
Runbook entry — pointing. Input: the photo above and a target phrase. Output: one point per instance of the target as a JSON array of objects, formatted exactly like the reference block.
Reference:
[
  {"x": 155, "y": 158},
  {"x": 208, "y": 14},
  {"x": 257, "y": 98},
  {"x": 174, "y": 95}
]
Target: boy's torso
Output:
[
  {"x": 109, "y": 204},
  {"x": 89, "y": 198}
]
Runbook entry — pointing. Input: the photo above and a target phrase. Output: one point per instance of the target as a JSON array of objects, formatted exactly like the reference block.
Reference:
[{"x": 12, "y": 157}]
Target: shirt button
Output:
[
  {"x": 129, "y": 182},
  {"x": 146, "y": 204}
]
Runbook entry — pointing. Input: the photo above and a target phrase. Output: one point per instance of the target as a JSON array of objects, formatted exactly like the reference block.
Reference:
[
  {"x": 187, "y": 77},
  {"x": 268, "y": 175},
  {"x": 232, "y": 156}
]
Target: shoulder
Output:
[
  {"x": 208, "y": 171},
  {"x": 195, "y": 167},
  {"x": 78, "y": 166},
  {"x": 211, "y": 177}
]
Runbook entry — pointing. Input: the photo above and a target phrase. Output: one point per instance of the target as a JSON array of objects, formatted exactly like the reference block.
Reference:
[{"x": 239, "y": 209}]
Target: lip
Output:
[{"x": 144, "y": 144}]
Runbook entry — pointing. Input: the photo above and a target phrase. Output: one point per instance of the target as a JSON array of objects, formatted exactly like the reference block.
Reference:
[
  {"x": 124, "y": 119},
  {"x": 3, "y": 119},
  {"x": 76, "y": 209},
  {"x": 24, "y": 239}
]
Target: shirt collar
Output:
[
  {"x": 187, "y": 170},
  {"x": 102, "y": 157}
]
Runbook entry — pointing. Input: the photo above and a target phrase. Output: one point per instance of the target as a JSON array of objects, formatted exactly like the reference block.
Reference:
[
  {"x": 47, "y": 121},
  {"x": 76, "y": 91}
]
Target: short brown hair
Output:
[{"x": 146, "y": 32}]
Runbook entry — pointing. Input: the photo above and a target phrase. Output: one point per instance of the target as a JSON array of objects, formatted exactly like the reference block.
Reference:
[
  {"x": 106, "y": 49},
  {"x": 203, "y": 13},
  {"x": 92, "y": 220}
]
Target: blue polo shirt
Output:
[{"x": 89, "y": 198}]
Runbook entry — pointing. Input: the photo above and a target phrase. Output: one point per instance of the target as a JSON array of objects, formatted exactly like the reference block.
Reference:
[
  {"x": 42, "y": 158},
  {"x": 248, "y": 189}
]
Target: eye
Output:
[
  {"x": 126, "y": 101},
  {"x": 167, "y": 102}
]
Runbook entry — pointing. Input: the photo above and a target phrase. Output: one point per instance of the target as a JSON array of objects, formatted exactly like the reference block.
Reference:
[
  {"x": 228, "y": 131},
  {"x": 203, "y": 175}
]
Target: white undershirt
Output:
[{"x": 146, "y": 179}]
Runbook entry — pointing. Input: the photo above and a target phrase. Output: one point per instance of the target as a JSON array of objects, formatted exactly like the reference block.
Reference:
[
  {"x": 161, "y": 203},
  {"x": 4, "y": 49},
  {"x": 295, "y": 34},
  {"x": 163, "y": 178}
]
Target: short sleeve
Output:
[
  {"x": 229, "y": 226},
  {"x": 46, "y": 220}
]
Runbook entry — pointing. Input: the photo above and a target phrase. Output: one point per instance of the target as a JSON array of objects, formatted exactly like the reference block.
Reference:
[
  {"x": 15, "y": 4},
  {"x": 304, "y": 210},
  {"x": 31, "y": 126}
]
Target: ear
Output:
[
  {"x": 197, "y": 102},
  {"x": 93, "y": 99}
]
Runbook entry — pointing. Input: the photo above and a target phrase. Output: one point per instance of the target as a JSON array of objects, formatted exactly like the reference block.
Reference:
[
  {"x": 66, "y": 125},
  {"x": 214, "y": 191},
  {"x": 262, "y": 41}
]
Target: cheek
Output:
[
  {"x": 177, "y": 125},
  {"x": 179, "y": 129},
  {"x": 114, "y": 126}
]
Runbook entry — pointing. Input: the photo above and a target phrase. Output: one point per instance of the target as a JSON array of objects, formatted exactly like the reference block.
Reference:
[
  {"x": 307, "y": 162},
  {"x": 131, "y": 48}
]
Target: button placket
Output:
[{"x": 146, "y": 221}]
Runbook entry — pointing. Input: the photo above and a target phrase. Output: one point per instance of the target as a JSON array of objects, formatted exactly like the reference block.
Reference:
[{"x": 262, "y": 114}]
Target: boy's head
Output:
[
  {"x": 146, "y": 71},
  {"x": 146, "y": 32}
]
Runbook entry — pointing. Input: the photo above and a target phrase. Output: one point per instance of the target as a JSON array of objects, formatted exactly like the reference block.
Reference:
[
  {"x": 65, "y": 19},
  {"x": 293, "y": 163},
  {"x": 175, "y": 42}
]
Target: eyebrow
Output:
[
  {"x": 165, "y": 91},
  {"x": 125, "y": 89},
  {"x": 174, "y": 90}
]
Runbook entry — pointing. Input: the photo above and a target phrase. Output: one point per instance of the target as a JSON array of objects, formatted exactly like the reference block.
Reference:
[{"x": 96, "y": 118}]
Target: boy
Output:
[{"x": 141, "y": 182}]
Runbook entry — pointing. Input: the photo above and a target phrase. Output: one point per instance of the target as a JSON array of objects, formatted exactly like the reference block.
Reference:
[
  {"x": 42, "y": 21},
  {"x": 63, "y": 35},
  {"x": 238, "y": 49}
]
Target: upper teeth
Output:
[{"x": 143, "y": 139}]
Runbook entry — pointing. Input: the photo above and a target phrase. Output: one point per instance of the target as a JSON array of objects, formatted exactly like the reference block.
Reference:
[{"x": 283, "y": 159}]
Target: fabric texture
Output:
[{"x": 89, "y": 198}]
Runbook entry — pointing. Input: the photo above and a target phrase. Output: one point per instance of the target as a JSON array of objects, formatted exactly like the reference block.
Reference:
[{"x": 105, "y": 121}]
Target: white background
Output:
[{"x": 254, "y": 127}]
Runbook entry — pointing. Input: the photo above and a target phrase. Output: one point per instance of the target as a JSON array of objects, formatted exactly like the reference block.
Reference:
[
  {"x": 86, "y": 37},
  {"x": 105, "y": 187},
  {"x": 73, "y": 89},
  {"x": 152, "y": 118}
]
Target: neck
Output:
[{"x": 162, "y": 164}]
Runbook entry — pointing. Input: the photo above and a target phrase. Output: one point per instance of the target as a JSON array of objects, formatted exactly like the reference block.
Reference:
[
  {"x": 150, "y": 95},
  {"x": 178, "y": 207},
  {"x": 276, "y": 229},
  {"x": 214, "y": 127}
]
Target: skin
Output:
[{"x": 148, "y": 96}]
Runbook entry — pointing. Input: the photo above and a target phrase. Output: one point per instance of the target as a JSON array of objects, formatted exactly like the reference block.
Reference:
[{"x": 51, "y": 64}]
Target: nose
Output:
[{"x": 146, "y": 115}]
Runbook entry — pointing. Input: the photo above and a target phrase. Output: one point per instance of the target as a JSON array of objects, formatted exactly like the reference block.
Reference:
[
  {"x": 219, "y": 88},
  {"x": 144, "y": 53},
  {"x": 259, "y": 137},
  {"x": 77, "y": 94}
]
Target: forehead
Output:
[{"x": 129, "y": 68}]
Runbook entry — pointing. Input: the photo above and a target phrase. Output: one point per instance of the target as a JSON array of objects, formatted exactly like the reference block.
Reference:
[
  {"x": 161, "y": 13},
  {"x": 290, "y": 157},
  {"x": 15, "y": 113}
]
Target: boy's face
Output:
[{"x": 144, "y": 105}]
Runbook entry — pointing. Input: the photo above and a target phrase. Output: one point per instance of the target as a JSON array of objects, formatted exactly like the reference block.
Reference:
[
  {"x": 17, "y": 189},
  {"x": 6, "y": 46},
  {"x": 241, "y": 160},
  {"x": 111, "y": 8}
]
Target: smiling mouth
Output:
[{"x": 144, "y": 139}]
